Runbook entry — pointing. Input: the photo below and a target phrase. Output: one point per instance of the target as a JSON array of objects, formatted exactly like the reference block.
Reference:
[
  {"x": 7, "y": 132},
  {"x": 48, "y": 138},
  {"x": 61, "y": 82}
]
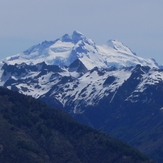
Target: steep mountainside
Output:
[{"x": 32, "y": 132}]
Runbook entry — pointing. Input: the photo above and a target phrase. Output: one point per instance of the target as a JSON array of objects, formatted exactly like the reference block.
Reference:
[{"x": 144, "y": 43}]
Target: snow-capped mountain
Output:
[
  {"x": 65, "y": 50},
  {"x": 107, "y": 86}
]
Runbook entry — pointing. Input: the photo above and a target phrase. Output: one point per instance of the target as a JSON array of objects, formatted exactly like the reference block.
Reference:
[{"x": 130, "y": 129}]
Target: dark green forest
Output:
[{"x": 30, "y": 131}]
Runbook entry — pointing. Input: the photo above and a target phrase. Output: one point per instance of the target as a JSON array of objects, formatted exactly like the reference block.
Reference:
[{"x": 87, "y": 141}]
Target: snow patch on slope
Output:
[
  {"x": 153, "y": 77},
  {"x": 89, "y": 88}
]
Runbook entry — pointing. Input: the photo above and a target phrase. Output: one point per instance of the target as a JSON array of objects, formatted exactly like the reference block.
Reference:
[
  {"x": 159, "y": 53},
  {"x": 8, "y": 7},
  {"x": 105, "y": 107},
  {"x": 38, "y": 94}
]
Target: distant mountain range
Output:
[{"x": 107, "y": 87}]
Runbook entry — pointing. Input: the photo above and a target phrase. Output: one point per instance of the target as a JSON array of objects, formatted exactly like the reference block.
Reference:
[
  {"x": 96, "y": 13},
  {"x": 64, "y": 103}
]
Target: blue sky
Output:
[{"x": 137, "y": 24}]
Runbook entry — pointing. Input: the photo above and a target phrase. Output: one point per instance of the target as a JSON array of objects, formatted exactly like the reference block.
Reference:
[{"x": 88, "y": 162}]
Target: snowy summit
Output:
[{"x": 69, "y": 48}]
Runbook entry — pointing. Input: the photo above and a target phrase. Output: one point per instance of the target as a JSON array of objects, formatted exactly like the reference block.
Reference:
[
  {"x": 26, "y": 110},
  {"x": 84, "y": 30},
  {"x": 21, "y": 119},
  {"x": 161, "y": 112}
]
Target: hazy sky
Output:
[{"x": 136, "y": 23}]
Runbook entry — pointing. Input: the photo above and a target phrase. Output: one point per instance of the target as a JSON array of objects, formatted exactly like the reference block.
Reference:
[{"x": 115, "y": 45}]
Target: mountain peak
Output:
[
  {"x": 117, "y": 45},
  {"x": 75, "y": 32},
  {"x": 77, "y": 36},
  {"x": 66, "y": 38},
  {"x": 113, "y": 43}
]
